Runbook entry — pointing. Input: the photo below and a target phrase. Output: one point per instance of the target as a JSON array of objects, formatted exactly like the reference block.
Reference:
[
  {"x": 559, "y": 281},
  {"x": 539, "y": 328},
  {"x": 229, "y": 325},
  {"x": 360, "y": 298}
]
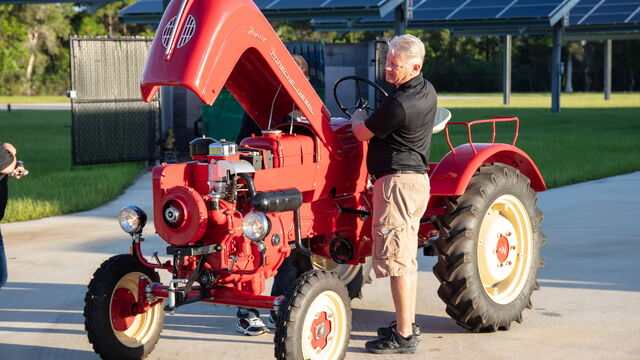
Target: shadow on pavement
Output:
[
  {"x": 364, "y": 320},
  {"x": 45, "y": 352}
]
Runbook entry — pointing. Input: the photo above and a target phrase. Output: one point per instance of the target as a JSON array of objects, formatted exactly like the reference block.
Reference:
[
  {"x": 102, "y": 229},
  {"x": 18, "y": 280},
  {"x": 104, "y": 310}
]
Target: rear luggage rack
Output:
[{"x": 493, "y": 122}]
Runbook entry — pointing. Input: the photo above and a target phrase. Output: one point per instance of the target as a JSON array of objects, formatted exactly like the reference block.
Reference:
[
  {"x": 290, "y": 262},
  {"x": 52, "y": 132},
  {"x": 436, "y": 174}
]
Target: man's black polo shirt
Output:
[{"x": 402, "y": 125}]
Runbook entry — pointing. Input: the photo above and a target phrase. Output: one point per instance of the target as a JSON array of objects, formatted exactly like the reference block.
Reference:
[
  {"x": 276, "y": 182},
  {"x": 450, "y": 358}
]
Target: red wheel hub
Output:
[
  {"x": 320, "y": 330},
  {"x": 502, "y": 249},
  {"x": 122, "y": 315}
]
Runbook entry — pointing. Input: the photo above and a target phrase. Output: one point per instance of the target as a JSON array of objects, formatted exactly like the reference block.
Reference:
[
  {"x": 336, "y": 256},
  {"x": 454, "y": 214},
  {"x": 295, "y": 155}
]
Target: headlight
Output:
[
  {"x": 132, "y": 219},
  {"x": 255, "y": 226}
]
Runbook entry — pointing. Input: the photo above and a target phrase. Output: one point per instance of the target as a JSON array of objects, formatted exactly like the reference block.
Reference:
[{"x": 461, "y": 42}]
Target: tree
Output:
[
  {"x": 12, "y": 53},
  {"x": 47, "y": 26}
]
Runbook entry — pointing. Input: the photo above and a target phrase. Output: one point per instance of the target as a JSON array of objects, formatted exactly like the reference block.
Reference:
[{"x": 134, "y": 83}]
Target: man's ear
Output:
[{"x": 417, "y": 67}]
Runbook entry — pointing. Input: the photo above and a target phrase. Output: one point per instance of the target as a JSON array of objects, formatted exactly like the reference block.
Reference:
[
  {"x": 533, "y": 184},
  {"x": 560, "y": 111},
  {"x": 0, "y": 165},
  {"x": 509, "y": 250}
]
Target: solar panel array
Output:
[
  {"x": 148, "y": 6},
  {"x": 591, "y": 12},
  {"x": 510, "y": 15},
  {"x": 297, "y": 4},
  {"x": 466, "y": 13},
  {"x": 485, "y": 9},
  {"x": 499, "y": 17}
]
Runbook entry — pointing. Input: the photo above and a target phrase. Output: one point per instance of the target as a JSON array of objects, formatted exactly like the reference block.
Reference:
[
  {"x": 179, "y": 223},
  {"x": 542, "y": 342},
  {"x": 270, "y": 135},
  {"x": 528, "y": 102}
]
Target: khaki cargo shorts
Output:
[{"x": 399, "y": 201}]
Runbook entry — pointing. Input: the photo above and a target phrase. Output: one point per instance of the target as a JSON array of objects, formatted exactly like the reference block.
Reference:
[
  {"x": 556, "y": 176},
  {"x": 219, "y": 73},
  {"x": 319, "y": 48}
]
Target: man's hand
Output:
[
  {"x": 360, "y": 130},
  {"x": 19, "y": 171}
]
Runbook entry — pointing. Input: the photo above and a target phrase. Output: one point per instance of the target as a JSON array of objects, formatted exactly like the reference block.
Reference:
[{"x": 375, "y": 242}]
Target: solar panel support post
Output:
[
  {"x": 556, "y": 65},
  {"x": 506, "y": 70},
  {"x": 401, "y": 18},
  {"x": 608, "y": 45}
]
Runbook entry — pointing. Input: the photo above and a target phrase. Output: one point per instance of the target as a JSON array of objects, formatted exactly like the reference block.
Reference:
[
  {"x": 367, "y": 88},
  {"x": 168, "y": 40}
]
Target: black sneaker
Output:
[
  {"x": 393, "y": 344},
  {"x": 251, "y": 327},
  {"x": 385, "y": 331}
]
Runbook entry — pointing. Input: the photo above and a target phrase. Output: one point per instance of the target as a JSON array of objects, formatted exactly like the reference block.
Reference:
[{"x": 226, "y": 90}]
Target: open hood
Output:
[{"x": 205, "y": 45}]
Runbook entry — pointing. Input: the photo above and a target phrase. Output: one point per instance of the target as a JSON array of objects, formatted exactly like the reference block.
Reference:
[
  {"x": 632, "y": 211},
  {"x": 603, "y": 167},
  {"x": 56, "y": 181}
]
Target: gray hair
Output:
[{"x": 407, "y": 47}]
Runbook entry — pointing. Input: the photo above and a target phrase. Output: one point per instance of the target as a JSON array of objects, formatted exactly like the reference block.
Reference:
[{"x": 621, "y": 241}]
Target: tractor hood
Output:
[{"x": 205, "y": 45}]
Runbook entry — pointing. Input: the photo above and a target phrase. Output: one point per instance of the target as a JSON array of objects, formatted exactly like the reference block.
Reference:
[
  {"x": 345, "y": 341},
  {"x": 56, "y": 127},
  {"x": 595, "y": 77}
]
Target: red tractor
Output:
[{"x": 234, "y": 213}]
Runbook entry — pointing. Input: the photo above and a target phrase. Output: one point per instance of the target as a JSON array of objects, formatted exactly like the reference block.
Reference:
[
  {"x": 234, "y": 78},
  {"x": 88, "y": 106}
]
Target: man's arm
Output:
[
  {"x": 360, "y": 130},
  {"x": 7, "y": 158},
  {"x": 384, "y": 120}
]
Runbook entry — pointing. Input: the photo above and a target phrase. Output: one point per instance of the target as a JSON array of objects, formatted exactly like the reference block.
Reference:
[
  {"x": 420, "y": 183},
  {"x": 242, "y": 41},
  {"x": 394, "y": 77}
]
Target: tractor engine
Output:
[{"x": 210, "y": 206}]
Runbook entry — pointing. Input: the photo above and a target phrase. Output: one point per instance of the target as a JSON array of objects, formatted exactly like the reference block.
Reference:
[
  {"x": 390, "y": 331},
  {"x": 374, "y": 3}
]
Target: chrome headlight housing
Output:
[
  {"x": 132, "y": 219},
  {"x": 256, "y": 225}
]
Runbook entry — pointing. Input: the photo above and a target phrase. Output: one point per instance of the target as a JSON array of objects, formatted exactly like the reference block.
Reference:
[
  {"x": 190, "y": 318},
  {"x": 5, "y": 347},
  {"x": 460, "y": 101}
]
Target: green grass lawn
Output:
[
  {"x": 53, "y": 186},
  {"x": 32, "y": 99},
  {"x": 589, "y": 139}
]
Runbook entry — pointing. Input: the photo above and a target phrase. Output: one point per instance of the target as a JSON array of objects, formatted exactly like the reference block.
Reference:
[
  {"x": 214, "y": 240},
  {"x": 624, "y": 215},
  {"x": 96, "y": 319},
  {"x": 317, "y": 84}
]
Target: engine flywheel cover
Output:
[{"x": 183, "y": 219}]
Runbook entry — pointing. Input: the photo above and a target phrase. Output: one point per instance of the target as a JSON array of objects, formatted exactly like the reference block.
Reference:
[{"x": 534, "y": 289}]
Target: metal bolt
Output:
[
  {"x": 509, "y": 263},
  {"x": 512, "y": 247},
  {"x": 508, "y": 233}
]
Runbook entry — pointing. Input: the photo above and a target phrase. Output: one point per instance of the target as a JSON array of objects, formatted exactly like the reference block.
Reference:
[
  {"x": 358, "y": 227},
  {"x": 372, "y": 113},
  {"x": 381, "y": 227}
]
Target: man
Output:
[
  {"x": 249, "y": 322},
  {"x": 8, "y": 166},
  {"x": 399, "y": 134}
]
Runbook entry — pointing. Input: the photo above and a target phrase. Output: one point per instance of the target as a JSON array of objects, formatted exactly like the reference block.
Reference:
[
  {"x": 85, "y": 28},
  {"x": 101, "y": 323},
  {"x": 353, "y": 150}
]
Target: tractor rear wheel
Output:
[
  {"x": 115, "y": 331},
  {"x": 315, "y": 321},
  {"x": 353, "y": 276},
  {"x": 489, "y": 251}
]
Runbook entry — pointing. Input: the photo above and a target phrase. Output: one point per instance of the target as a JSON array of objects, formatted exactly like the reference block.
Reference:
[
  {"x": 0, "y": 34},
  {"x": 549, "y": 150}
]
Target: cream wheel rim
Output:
[
  {"x": 143, "y": 326},
  {"x": 324, "y": 331},
  {"x": 505, "y": 246}
]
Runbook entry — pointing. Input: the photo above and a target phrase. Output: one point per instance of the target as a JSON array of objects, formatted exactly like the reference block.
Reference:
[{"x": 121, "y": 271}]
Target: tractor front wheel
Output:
[
  {"x": 489, "y": 250},
  {"x": 315, "y": 322},
  {"x": 114, "y": 328}
]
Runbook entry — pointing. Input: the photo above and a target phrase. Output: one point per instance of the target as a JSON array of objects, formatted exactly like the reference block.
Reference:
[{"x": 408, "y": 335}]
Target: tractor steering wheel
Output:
[{"x": 361, "y": 102}]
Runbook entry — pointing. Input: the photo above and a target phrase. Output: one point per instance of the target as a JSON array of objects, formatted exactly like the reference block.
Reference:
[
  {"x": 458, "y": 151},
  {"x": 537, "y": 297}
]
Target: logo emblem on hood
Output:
[{"x": 188, "y": 31}]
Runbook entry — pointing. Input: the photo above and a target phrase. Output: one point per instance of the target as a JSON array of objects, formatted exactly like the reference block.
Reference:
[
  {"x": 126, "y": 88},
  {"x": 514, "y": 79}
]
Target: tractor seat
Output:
[{"x": 442, "y": 118}]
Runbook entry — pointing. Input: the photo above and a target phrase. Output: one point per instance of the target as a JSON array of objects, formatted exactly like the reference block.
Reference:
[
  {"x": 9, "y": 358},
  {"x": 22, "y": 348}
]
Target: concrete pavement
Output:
[
  {"x": 37, "y": 106},
  {"x": 586, "y": 308}
]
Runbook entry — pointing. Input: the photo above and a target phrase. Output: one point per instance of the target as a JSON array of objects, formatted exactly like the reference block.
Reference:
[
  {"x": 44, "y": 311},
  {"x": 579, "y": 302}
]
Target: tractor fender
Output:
[{"x": 453, "y": 173}]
